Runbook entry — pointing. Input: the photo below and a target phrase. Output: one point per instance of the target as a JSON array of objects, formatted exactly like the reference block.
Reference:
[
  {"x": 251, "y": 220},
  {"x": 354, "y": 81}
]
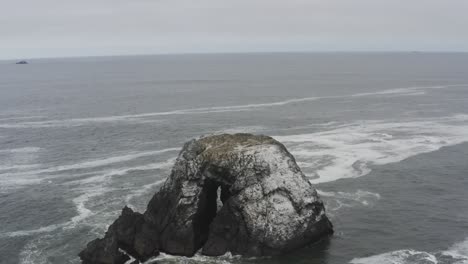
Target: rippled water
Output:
[{"x": 382, "y": 136}]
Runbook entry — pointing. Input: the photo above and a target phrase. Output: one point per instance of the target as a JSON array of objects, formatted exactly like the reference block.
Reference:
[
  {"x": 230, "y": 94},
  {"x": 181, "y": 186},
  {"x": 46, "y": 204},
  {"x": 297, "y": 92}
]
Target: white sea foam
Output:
[
  {"x": 351, "y": 149},
  {"x": 338, "y": 200},
  {"x": 88, "y": 212},
  {"x": 406, "y": 256},
  {"x": 103, "y": 175},
  {"x": 80, "y": 204},
  {"x": 72, "y": 122},
  {"x": 415, "y": 90},
  {"x": 32, "y": 252},
  {"x": 90, "y": 188},
  {"x": 457, "y": 254},
  {"x": 346, "y": 151},
  {"x": 139, "y": 117},
  {"x": 21, "y": 150},
  {"x": 111, "y": 160},
  {"x": 458, "y": 251},
  {"x": 20, "y": 118},
  {"x": 24, "y": 176},
  {"x": 17, "y": 160},
  {"x": 18, "y": 167},
  {"x": 82, "y": 213},
  {"x": 406, "y": 91},
  {"x": 44, "y": 229}
]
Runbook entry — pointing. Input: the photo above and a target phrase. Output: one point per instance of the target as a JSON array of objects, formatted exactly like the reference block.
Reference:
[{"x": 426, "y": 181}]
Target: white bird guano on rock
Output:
[{"x": 268, "y": 206}]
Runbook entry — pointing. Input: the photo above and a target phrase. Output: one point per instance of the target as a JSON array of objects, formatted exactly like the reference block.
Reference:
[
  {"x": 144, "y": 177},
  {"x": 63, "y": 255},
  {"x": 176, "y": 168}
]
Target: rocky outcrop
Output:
[{"x": 239, "y": 193}]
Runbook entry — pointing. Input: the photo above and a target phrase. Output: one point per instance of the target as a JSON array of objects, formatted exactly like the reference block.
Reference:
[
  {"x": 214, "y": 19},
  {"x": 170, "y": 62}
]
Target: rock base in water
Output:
[{"x": 239, "y": 193}]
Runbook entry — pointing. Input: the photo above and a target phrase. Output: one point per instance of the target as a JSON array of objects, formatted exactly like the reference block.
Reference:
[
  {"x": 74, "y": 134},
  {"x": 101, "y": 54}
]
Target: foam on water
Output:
[
  {"x": 406, "y": 91},
  {"x": 82, "y": 213},
  {"x": 350, "y": 150},
  {"x": 139, "y": 117},
  {"x": 103, "y": 175},
  {"x": 21, "y": 150},
  {"x": 337, "y": 151},
  {"x": 457, "y": 254},
  {"x": 80, "y": 204},
  {"x": 90, "y": 188},
  {"x": 458, "y": 251},
  {"x": 111, "y": 160},
  {"x": 406, "y": 256},
  {"x": 18, "y": 167},
  {"x": 97, "y": 186},
  {"x": 32, "y": 252},
  {"x": 87, "y": 212},
  {"x": 416, "y": 90},
  {"x": 346, "y": 151},
  {"x": 44, "y": 229},
  {"x": 24, "y": 176},
  {"x": 17, "y": 160},
  {"x": 337, "y": 200},
  {"x": 20, "y": 118}
]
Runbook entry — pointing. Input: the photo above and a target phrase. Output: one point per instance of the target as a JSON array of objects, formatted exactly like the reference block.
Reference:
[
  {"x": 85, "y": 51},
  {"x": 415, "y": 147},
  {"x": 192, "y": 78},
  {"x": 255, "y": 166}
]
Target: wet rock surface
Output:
[{"x": 238, "y": 193}]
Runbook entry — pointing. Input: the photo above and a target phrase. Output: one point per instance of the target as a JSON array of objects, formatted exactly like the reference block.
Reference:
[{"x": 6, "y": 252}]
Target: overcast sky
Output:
[{"x": 60, "y": 28}]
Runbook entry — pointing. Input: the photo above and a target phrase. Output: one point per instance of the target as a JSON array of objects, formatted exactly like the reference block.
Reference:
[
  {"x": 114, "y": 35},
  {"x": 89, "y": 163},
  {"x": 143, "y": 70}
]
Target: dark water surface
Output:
[{"x": 382, "y": 136}]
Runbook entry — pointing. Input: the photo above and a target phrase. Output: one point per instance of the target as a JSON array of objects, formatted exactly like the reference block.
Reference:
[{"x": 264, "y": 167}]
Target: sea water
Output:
[{"x": 381, "y": 136}]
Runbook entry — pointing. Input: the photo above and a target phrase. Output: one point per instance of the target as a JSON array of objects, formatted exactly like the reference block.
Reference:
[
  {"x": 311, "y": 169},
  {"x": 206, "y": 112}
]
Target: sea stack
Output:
[{"x": 238, "y": 193}]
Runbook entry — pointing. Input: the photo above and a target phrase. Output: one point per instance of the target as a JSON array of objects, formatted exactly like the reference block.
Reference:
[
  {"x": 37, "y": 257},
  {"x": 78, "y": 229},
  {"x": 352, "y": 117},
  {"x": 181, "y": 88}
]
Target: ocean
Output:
[{"x": 382, "y": 136}]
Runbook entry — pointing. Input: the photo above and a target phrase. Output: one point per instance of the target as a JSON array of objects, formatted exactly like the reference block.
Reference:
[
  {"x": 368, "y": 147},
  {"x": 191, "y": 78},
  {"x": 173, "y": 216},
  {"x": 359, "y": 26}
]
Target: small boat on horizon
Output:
[{"x": 22, "y": 62}]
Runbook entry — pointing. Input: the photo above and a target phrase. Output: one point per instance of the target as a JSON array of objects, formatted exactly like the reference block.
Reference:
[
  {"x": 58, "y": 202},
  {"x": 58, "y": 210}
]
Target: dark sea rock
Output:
[{"x": 239, "y": 193}]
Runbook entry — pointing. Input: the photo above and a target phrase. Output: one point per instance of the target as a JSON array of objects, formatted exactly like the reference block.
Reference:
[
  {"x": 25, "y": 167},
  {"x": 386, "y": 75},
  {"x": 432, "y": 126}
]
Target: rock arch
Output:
[{"x": 268, "y": 205}]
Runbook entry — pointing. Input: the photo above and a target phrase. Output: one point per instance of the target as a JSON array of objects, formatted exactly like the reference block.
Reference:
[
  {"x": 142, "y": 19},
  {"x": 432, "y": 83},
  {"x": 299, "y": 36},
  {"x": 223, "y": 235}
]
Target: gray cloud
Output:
[{"x": 31, "y": 28}]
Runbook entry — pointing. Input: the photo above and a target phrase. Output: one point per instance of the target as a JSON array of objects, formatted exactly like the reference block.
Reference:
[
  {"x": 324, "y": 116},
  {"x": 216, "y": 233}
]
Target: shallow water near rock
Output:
[{"x": 382, "y": 136}]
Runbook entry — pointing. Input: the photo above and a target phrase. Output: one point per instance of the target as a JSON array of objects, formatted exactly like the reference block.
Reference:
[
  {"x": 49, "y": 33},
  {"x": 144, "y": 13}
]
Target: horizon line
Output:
[{"x": 236, "y": 52}]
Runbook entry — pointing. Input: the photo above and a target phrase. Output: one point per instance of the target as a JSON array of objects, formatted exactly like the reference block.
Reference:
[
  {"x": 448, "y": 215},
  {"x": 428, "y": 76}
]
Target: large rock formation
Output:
[{"x": 239, "y": 193}]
